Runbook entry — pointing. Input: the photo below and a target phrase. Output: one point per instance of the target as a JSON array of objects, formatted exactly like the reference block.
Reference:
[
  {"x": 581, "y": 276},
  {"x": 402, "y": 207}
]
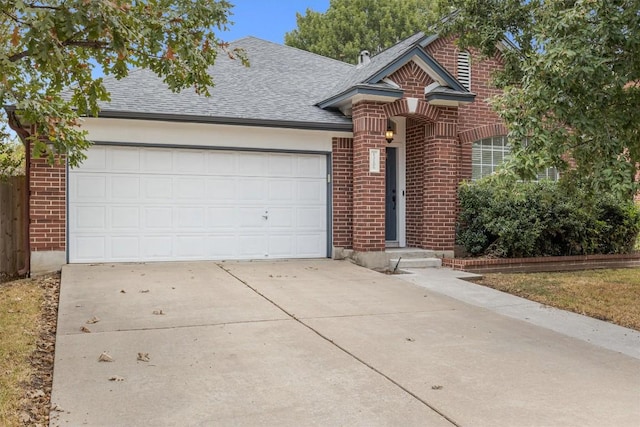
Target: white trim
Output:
[
  {"x": 401, "y": 182},
  {"x": 412, "y": 105},
  {"x": 208, "y": 135}
]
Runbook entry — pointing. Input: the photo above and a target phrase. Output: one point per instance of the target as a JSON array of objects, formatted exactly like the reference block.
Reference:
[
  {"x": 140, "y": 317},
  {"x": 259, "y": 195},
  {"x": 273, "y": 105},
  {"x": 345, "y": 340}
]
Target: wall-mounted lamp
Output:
[{"x": 388, "y": 135}]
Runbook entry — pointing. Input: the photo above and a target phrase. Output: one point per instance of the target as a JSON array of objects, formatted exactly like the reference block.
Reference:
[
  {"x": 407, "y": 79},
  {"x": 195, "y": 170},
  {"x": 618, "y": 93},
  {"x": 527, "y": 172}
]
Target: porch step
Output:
[
  {"x": 409, "y": 253},
  {"x": 415, "y": 263}
]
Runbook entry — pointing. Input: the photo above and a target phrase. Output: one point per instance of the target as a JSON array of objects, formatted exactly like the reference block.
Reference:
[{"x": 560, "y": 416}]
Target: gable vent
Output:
[{"x": 464, "y": 70}]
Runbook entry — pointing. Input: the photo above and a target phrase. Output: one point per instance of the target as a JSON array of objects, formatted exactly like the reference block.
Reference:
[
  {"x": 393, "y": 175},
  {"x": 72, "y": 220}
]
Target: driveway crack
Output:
[{"x": 344, "y": 350}]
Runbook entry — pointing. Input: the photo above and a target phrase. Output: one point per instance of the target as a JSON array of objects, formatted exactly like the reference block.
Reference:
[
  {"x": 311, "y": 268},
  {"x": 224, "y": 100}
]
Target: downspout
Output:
[{"x": 24, "y": 135}]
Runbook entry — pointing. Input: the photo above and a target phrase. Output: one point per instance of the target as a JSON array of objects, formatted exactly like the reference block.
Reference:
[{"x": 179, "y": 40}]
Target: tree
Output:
[
  {"x": 350, "y": 26},
  {"x": 49, "y": 49},
  {"x": 571, "y": 87},
  {"x": 11, "y": 158}
]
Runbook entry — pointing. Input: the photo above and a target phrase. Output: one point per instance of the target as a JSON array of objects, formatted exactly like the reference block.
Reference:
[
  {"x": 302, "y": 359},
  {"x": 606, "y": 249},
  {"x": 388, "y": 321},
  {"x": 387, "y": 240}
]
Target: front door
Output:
[{"x": 391, "y": 198}]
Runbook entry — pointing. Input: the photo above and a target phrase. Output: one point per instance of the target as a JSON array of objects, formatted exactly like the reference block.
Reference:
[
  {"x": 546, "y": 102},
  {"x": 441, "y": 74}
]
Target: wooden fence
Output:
[{"x": 12, "y": 224}]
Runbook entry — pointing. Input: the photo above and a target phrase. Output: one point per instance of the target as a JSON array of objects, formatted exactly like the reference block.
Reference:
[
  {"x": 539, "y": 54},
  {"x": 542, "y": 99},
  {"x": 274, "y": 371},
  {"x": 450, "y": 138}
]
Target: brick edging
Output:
[{"x": 555, "y": 263}]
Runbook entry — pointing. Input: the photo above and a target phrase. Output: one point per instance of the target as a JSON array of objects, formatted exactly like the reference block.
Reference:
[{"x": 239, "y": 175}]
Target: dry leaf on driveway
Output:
[
  {"x": 85, "y": 330},
  {"x": 94, "y": 319},
  {"x": 143, "y": 357},
  {"x": 158, "y": 312},
  {"x": 116, "y": 378},
  {"x": 105, "y": 357}
]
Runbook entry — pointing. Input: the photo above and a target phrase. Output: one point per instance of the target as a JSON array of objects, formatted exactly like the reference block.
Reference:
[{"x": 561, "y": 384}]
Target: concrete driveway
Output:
[{"x": 300, "y": 343}]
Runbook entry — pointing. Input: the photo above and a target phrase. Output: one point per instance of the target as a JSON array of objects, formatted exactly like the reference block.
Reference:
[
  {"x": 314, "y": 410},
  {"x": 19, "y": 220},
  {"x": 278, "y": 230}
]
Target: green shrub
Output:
[{"x": 543, "y": 219}]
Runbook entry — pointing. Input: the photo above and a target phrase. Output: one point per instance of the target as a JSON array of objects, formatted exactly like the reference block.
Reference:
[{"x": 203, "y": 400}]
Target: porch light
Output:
[{"x": 388, "y": 135}]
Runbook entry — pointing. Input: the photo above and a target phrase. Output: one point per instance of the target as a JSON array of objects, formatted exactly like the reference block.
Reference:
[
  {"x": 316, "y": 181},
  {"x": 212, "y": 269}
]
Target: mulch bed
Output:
[{"x": 36, "y": 401}]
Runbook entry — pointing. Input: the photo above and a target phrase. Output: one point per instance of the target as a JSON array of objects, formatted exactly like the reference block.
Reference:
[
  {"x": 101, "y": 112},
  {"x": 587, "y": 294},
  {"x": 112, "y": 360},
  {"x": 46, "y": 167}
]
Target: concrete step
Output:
[
  {"x": 415, "y": 263},
  {"x": 405, "y": 253}
]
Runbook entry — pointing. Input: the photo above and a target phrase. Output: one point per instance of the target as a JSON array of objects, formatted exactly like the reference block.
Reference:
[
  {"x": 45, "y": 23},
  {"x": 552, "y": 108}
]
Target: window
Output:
[
  {"x": 464, "y": 69},
  {"x": 487, "y": 154}
]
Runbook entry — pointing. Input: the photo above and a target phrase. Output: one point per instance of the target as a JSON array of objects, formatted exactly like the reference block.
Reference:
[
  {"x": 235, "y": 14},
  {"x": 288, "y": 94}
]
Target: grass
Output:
[
  {"x": 20, "y": 311},
  {"x": 611, "y": 295}
]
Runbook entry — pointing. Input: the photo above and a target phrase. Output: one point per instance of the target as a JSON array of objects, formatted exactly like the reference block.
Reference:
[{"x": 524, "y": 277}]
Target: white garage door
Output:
[{"x": 157, "y": 204}]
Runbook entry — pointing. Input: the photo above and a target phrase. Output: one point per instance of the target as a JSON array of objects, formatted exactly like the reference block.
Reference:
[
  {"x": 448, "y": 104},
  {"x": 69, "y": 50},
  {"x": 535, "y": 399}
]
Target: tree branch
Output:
[{"x": 92, "y": 44}]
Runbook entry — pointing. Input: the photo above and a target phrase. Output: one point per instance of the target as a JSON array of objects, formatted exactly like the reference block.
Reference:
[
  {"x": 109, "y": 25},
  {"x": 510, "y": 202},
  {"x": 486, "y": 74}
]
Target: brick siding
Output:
[
  {"x": 47, "y": 207},
  {"x": 342, "y": 180},
  {"x": 369, "y": 124}
]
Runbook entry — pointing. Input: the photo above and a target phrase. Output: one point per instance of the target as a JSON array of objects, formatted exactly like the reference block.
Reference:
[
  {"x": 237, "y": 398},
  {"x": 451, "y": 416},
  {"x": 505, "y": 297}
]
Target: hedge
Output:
[{"x": 530, "y": 219}]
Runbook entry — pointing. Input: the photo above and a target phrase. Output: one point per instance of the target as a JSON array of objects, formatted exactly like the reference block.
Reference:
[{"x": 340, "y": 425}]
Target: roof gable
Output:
[{"x": 375, "y": 73}]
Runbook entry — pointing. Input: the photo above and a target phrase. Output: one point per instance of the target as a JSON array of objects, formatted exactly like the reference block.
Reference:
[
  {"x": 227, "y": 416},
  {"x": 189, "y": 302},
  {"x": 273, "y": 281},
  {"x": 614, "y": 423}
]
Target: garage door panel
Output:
[
  {"x": 158, "y": 218},
  {"x": 189, "y": 188},
  {"x": 125, "y": 217},
  {"x": 124, "y": 188},
  {"x": 281, "y": 165},
  {"x": 221, "y": 163},
  {"x": 89, "y": 218},
  {"x": 221, "y": 190},
  {"x": 90, "y": 248},
  {"x": 252, "y": 246},
  {"x": 311, "y": 167},
  {"x": 252, "y": 217},
  {"x": 157, "y": 204},
  {"x": 96, "y": 161},
  {"x": 123, "y": 159},
  {"x": 157, "y": 248},
  {"x": 251, "y": 190},
  {"x": 307, "y": 244},
  {"x": 311, "y": 218},
  {"x": 125, "y": 248},
  {"x": 252, "y": 164},
  {"x": 221, "y": 246},
  {"x": 190, "y": 247},
  {"x": 311, "y": 192},
  {"x": 190, "y": 217},
  {"x": 281, "y": 218},
  {"x": 189, "y": 162},
  {"x": 222, "y": 218},
  {"x": 281, "y": 246},
  {"x": 281, "y": 190},
  {"x": 88, "y": 187}
]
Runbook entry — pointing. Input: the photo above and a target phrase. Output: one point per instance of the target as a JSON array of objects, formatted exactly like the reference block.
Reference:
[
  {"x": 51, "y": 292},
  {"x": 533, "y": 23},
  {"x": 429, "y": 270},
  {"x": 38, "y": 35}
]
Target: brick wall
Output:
[
  {"x": 342, "y": 180},
  {"x": 47, "y": 205},
  {"x": 440, "y": 184},
  {"x": 415, "y": 146},
  {"x": 478, "y": 113},
  {"x": 369, "y": 124},
  {"x": 412, "y": 79}
]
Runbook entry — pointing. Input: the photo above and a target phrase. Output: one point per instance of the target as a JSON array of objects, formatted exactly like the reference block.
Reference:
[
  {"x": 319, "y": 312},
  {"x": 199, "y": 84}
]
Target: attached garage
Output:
[{"x": 136, "y": 203}]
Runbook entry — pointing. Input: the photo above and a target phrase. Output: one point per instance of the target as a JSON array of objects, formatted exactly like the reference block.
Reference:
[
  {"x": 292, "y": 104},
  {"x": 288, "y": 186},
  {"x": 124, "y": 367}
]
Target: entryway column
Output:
[
  {"x": 441, "y": 182},
  {"x": 369, "y": 125}
]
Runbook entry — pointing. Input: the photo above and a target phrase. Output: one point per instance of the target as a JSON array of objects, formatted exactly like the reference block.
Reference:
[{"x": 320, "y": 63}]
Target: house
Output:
[{"x": 287, "y": 159}]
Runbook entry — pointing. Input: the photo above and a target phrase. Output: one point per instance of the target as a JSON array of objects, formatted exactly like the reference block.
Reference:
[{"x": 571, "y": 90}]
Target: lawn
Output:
[
  {"x": 611, "y": 295},
  {"x": 27, "y": 328}
]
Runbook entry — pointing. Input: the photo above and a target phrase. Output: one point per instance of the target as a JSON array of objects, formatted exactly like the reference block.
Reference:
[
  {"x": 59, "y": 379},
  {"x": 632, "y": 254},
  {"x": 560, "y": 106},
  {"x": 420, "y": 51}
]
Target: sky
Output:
[{"x": 268, "y": 19}]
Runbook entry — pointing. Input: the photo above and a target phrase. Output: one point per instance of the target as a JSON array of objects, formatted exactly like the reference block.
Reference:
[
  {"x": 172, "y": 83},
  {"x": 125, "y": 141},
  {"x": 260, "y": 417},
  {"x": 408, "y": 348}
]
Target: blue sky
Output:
[{"x": 268, "y": 19}]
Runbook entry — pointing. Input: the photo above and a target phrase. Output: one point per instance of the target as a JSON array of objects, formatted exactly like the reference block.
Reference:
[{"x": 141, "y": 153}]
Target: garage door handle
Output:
[{"x": 266, "y": 215}]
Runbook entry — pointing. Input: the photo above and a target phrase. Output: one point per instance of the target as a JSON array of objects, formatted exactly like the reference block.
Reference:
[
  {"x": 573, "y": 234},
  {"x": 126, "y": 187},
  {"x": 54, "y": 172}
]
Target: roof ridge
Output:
[{"x": 294, "y": 48}]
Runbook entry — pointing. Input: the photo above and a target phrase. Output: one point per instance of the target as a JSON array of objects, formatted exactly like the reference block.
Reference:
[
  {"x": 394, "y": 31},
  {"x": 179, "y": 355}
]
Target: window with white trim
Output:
[
  {"x": 464, "y": 69},
  {"x": 489, "y": 153}
]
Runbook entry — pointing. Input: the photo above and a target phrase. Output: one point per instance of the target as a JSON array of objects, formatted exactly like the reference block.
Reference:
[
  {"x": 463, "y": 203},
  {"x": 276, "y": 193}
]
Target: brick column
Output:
[
  {"x": 47, "y": 211},
  {"x": 415, "y": 148},
  {"x": 369, "y": 124},
  {"x": 441, "y": 182},
  {"x": 342, "y": 170}
]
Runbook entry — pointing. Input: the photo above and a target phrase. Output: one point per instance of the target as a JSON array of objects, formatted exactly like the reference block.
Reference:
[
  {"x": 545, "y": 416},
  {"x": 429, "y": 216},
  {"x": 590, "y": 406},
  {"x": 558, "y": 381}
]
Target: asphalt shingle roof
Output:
[{"x": 282, "y": 84}]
